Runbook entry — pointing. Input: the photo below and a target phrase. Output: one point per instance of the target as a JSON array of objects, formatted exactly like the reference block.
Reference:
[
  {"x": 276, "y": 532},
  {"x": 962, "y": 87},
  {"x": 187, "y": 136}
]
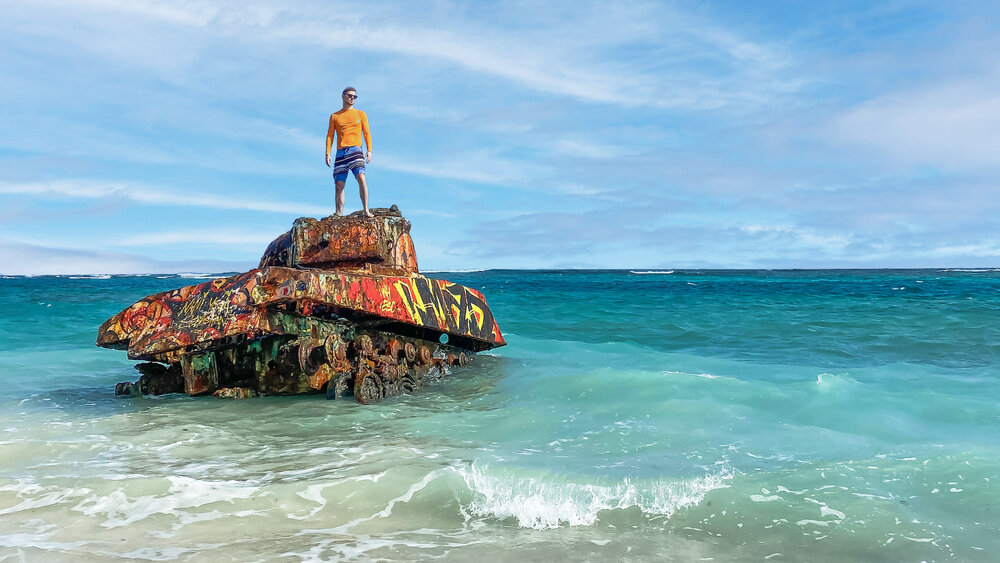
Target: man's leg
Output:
[
  {"x": 341, "y": 198},
  {"x": 363, "y": 190}
]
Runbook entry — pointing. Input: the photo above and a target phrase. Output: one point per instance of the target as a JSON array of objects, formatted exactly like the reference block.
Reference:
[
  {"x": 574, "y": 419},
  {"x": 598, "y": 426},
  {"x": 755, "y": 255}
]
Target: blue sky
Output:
[{"x": 142, "y": 136}]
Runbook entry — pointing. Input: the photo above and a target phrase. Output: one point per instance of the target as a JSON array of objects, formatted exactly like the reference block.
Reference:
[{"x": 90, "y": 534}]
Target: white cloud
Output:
[
  {"x": 950, "y": 125},
  {"x": 18, "y": 259},
  {"x": 199, "y": 237},
  {"x": 799, "y": 238},
  {"x": 480, "y": 166},
  {"x": 220, "y": 135},
  {"x": 583, "y": 149},
  {"x": 989, "y": 250},
  {"x": 432, "y": 213},
  {"x": 147, "y": 194},
  {"x": 178, "y": 12},
  {"x": 573, "y": 55}
]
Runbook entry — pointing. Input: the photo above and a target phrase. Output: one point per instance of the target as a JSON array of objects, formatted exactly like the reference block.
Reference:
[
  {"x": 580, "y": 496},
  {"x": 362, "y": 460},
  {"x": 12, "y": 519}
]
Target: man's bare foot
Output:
[{"x": 368, "y": 213}]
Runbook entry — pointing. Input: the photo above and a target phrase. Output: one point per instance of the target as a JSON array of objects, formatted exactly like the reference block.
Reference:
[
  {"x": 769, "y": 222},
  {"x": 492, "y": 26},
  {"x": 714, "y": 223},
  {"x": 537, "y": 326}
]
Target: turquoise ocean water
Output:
[{"x": 687, "y": 415}]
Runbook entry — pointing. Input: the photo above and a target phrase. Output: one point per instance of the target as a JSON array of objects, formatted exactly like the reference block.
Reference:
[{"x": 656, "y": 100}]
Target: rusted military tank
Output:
[{"x": 336, "y": 305}]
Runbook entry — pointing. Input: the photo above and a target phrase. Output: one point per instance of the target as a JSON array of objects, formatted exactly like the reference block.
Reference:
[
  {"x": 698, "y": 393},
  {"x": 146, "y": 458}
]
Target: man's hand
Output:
[
  {"x": 368, "y": 157},
  {"x": 328, "y": 160}
]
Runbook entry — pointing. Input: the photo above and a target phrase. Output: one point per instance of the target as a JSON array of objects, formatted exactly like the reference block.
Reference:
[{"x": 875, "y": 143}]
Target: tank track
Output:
[{"x": 337, "y": 357}]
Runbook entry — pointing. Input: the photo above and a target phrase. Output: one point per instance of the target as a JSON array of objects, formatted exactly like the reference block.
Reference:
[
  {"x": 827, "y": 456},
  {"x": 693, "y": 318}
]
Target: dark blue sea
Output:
[{"x": 635, "y": 415}]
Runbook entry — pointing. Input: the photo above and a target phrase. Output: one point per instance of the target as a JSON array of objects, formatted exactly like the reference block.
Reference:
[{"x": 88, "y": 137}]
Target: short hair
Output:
[{"x": 349, "y": 89}]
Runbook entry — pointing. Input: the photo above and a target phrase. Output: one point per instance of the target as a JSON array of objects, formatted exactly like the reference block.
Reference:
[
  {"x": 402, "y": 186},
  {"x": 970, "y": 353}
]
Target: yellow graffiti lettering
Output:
[
  {"x": 476, "y": 316},
  {"x": 408, "y": 295},
  {"x": 193, "y": 305}
]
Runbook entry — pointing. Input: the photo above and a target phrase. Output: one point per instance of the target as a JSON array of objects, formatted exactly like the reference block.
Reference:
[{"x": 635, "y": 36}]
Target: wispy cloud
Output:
[
  {"x": 567, "y": 56},
  {"x": 583, "y": 149},
  {"x": 17, "y": 258},
  {"x": 153, "y": 195},
  {"x": 238, "y": 236},
  {"x": 953, "y": 125},
  {"x": 479, "y": 166}
]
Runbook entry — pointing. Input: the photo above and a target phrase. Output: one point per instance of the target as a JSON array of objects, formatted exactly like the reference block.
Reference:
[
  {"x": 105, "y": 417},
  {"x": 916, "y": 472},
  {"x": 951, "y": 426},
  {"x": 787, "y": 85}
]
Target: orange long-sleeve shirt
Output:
[{"x": 349, "y": 125}]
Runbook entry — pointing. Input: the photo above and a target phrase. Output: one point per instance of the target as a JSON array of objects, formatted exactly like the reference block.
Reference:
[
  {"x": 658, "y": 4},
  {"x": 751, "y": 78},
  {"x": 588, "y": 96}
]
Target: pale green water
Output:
[{"x": 758, "y": 415}]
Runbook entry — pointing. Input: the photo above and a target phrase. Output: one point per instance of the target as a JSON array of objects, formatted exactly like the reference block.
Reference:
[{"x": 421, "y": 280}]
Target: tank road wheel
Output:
[
  {"x": 407, "y": 383},
  {"x": 311, "y": 355},
  {"x": 424, "y": 356},
  {"x": 388, "y": 371},
  {"x": 340, "y": 386},
  {"x": 336, "y": 350},
  {"x": 410, "y": 352},
  {"x": 393, "y": 348},
  {"x": 367, "y": 387},
  {"x": 363, "y": 345}
]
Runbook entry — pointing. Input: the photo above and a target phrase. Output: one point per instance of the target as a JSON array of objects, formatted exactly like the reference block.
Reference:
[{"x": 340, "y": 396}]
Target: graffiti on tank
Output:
[
  {"x": 451, "y": 307},
  {"x": 289, "y": 326}
]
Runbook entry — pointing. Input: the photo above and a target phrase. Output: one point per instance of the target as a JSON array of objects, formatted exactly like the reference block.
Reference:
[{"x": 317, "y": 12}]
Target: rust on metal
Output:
[{"x": 337, "y": 305}]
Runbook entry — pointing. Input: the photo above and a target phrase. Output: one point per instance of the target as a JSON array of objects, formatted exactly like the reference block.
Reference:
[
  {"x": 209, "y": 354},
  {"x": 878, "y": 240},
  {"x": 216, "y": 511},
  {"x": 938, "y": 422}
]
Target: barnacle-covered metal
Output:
[{"x": 337, "y": 305}]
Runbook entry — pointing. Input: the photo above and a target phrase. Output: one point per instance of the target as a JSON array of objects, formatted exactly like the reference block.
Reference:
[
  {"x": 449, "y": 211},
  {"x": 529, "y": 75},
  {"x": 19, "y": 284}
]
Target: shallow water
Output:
[{"x": 724, "y": 415}]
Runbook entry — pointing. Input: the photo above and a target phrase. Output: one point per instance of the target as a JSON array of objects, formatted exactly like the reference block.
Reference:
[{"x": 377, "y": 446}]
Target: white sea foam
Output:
[
  {"x": 185, "y": 492},
  {"x": 314, "y": 493},
  {"x": 828, "y": 381},
  {"x": 701, "y": 375},
  {"x": 198, "y": 275},
  {"x": 93, "y": 277},
  {"x": 38, "y": 540},
  {"x": 36, "y": 496},
  {"x": 540, "y": 503},
  {"x": 408, "y": 495},
  {"x": 164, "y": 553},
  {"x": 827, "y": 511},
  {"x": 783, "y": 489},
  {"x": 971, "y": 270},
  {"x": 651, "y": 272}
]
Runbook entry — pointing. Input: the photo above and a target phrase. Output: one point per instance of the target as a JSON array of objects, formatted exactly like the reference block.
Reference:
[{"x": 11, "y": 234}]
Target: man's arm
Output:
[
  {"x": 368, "y": 136},
  {"x": 330, "y": 130}
]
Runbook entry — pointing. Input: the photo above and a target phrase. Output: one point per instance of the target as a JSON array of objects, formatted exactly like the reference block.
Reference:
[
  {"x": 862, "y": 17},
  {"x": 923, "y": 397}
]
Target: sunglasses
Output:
[{"x": 352, "y": 96}]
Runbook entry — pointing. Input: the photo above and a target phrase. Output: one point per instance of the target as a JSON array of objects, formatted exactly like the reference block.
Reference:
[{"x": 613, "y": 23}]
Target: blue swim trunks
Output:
[{"x": 348, "y": 159}]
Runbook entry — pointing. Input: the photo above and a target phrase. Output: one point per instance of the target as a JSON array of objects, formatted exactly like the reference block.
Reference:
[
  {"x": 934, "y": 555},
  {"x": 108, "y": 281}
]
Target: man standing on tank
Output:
[{"x": 349, "y": 125}]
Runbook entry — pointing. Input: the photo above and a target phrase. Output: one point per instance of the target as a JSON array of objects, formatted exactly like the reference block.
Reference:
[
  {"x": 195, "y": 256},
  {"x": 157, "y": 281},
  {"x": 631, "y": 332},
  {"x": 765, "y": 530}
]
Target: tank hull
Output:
[{"x": 368, "y": 329}]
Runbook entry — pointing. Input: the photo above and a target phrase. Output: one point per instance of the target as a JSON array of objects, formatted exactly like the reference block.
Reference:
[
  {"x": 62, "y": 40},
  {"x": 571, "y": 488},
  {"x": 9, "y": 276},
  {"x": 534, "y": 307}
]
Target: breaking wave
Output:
[
  {"x": 648, "y": 272},
  {"x": 971, "y": 270},
  {"x": 543, "y": 503}
]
